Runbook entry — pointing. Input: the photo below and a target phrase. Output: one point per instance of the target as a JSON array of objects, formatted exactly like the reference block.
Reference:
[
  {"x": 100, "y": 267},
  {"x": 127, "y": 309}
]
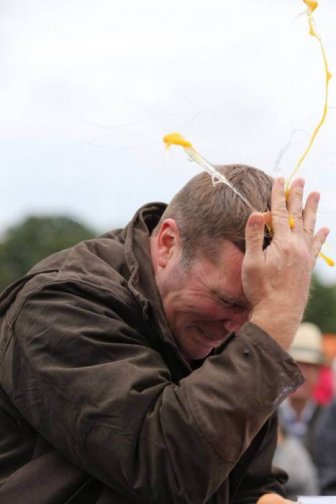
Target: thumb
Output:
[{"x": 254, "y": 234}]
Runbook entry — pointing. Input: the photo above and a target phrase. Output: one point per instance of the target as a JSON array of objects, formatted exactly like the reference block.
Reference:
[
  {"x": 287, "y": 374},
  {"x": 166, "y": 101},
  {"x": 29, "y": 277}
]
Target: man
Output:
[
  {"x": 325, "y": 449},
  {"x": 325, "y": 443},
  {"x": 292, "y": 456},
  {"x": 145, "y": 366},
  {"x": 299, "y": 414},
  {"x": 302, "y": 417}
]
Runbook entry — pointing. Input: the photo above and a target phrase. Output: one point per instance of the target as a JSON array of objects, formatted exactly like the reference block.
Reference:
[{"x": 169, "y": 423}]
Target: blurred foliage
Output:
[
  {"x": 28, "y": 242},
  {"x": 321, "y": 308}
]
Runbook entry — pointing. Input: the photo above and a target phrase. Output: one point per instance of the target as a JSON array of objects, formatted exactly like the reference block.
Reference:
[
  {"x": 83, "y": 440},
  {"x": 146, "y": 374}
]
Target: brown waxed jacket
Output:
[{"x": 97, "y": 405}]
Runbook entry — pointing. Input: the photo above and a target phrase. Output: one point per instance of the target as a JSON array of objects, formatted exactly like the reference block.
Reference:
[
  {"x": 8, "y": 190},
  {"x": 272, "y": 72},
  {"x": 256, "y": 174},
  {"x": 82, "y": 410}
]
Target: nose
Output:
[{"x": 235, "y": 322}]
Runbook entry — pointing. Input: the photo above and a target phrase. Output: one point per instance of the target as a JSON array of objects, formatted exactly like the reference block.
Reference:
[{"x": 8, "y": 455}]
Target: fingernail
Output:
[{"x": 317, "y": 197}]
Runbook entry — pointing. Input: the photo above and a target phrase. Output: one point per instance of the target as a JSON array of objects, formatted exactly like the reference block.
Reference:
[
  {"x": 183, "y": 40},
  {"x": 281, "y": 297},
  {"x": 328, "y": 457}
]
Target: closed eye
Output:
[{"x": 229, "y": 302}]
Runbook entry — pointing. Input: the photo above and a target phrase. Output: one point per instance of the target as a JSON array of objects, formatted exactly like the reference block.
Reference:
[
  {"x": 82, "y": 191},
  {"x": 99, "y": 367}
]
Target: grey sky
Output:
[{"x": 88, "y": 89}]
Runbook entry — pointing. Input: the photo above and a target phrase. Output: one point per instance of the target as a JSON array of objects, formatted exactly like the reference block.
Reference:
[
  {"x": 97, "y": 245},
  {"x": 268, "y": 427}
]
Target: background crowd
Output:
[{"x": 307, "y": 419}]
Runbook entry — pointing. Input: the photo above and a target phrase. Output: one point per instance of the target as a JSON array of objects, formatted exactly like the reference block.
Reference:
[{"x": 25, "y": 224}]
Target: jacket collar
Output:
[
  {"x": 141, "y": 281},
  {"x": 137, "y": 255}
]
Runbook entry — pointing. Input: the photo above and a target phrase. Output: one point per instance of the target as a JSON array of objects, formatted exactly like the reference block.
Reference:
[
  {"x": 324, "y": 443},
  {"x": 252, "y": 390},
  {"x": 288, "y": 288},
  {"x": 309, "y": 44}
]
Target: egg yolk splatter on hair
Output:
[{"x": 217, "y": 177}]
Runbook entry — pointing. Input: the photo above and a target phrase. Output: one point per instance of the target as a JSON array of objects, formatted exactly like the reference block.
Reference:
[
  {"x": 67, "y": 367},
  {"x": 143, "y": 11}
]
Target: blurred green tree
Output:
[
  {"x": 26, "y": 243},
  {"x": 321, "y": 309}
]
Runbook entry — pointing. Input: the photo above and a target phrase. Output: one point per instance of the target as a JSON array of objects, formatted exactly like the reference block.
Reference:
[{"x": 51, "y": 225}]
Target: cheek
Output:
[
  {"x": 312, "y": 379},
  {"x": 235, "y": 319},
  {"x": 311, "y": 374}
]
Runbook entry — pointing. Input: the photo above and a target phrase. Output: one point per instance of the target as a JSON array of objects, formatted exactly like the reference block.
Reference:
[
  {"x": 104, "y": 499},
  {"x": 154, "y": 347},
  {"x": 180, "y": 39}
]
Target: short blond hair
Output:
[{"x": 206, "y": 213}]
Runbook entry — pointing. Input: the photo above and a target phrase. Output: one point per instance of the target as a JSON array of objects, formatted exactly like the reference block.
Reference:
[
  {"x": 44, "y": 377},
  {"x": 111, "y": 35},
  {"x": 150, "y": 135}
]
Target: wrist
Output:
[{"x": 280, "y": 325}]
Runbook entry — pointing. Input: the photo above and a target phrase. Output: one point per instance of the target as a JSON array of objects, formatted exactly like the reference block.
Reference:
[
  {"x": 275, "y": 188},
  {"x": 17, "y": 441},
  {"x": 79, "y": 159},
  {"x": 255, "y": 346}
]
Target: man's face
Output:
[
  {"x": 204, "y": 303},
  {"x": 311, "y": 374}
]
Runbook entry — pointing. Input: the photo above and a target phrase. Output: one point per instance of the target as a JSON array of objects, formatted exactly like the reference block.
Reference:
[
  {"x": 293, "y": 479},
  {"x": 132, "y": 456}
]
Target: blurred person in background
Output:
[
  {"x": 299, "y": 413},
  {"x": 323, "y": 391},
  {"x": 333, "y": 377},
  {"x": 292, "y": 456},
  {"x": 325, "y": 443}
]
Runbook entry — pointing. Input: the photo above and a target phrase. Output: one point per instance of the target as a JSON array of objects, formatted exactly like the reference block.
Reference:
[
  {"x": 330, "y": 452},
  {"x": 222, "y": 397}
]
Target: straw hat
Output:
[{"x": 307, "y": 345}]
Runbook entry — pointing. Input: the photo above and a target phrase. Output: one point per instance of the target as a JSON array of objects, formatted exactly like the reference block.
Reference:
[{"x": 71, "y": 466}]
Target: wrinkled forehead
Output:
[
  {"x": 221, "y": 271},
  {"x": 221, "y": 251}
]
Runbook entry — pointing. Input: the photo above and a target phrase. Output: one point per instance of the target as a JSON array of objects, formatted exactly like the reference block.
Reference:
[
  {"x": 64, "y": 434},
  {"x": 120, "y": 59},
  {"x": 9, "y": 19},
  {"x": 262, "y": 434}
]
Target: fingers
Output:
[
  {"x": 310, "y": 213},
  {"x": 279, "y": 207},
  {"x": 290, "y": 221},
  {"x": 318, "y": 240},
  {"x": 288, "y": 213},
  {"x": 295, "y": 205},
  {"x": 254, "y": 235}
]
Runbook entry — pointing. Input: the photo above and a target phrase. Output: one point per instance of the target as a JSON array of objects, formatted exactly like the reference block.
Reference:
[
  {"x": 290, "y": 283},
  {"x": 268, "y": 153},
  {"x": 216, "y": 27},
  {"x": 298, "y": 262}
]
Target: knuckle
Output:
[
  {"x": 279, "y": 213},
  {"x": 309, "y": 230},
  {"x": 288, "y": 249}
]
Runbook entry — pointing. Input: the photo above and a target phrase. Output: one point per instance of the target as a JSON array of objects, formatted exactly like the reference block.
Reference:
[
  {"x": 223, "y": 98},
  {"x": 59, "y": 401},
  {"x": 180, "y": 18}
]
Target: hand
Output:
[
  {"x": 273, "y": 499},
  {"x": 276, "y": 280}
]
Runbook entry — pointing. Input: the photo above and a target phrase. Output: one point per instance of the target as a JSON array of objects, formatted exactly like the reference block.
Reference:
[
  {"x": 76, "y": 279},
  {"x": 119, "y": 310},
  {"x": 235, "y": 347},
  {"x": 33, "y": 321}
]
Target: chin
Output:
[{"x": 200, "y": 355}]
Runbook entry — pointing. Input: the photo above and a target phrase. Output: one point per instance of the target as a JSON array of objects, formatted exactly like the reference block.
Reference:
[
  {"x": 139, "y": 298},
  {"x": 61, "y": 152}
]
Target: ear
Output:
[{"x": 167, "y": 242}]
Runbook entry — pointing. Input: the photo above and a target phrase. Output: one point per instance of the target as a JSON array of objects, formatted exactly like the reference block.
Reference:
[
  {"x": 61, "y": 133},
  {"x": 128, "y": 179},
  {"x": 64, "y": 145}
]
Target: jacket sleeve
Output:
[
  {"x": 261, "y": 476},
  {"x": 91, "y": 384}
]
